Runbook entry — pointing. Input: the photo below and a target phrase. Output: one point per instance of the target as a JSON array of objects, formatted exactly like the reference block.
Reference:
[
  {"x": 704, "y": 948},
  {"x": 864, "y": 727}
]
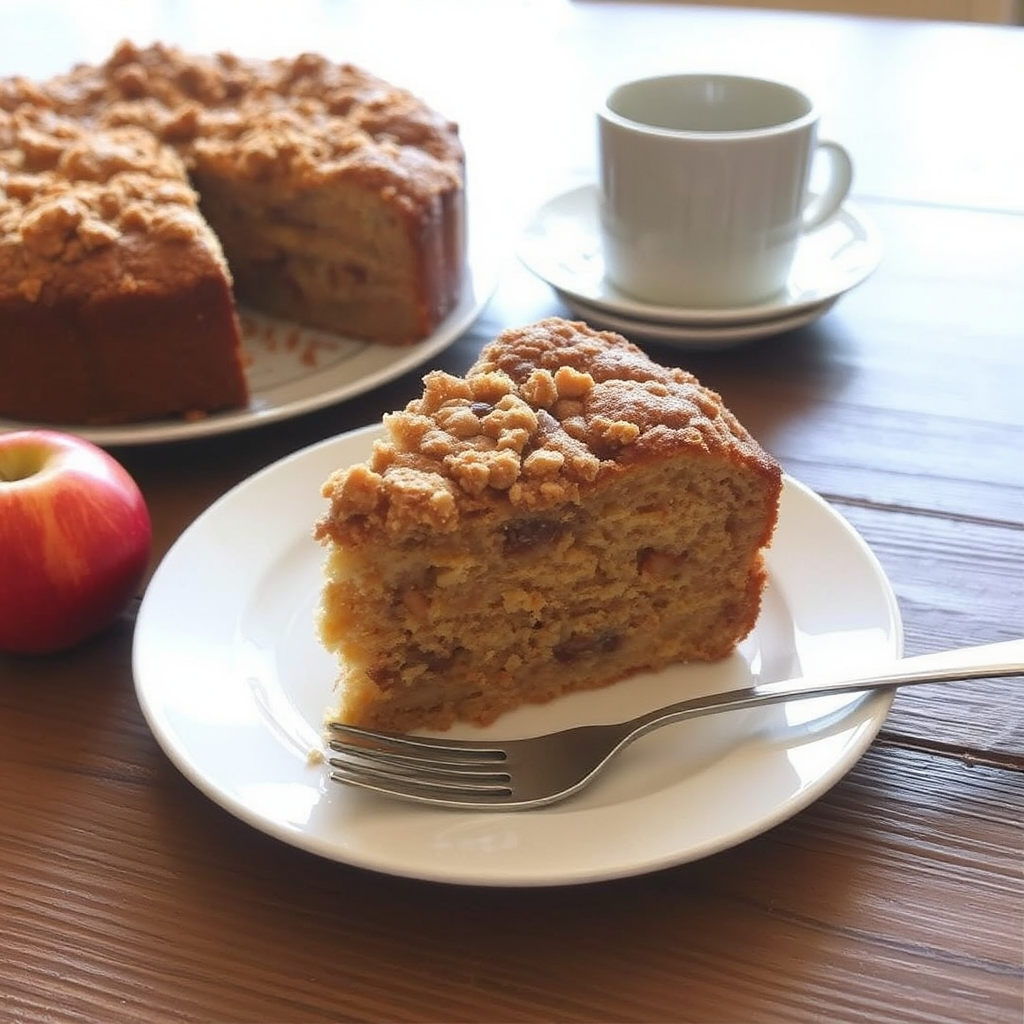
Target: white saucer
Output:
[
  {"x": 561, "y": 245},
  {"x": 693, "y": 336}
]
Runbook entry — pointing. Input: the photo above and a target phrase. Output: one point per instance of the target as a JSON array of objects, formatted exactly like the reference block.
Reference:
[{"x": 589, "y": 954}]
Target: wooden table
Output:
[{"x": 126, "y": 895}]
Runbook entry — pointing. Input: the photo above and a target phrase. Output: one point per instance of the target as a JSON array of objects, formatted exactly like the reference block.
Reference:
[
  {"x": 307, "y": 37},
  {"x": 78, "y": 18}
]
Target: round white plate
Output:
[
  {"x": 561, "y": 245},
  {"x": 294, "y": 370},
  {"x": 694, "y": 336},
  {"x": 233, "y": 683}
]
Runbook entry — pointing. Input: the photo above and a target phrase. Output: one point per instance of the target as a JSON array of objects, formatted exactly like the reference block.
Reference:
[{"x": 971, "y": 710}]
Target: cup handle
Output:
[{"x": 840, "y": 178}]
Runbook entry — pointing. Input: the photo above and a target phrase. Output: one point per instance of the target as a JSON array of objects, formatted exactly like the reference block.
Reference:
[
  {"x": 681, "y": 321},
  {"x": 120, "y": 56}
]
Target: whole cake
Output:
[
  {"x": 319, "y": 192},
  {"x": 566, "y": 515}
]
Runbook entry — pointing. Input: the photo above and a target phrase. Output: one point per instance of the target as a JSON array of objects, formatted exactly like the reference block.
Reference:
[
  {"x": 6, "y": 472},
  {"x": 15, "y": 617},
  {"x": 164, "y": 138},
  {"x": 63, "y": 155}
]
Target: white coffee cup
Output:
[{"x": 703, "y": 187}]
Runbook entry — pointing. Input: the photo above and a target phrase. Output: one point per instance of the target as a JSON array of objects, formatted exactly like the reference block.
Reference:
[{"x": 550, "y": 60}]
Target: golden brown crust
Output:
[
  {"x": 299, "y": 122},
  {"x": 299, "y": 119},
  {"x": 91, "y": 212},
  {"x": 547, "y": 412}
]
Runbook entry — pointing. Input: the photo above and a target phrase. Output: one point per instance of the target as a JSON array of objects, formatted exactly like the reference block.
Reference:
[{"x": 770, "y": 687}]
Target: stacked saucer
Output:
[{"x": 561, "y": 245}]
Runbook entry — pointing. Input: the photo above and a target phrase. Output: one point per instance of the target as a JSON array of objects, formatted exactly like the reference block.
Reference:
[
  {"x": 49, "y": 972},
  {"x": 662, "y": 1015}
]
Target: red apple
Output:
[{"x": 75, "y": 538}]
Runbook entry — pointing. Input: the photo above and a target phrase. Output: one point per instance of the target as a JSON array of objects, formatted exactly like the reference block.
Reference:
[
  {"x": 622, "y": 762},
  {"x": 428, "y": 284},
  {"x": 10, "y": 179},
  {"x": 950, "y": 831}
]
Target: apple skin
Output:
[{"x": 75, "y": 540}]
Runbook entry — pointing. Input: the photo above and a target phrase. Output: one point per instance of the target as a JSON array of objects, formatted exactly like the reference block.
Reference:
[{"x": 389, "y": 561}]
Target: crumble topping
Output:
[
  {"x": 104, "y": 151},
  {"x": 66, "y": 192},
  {"x": 528, "y": 425}
]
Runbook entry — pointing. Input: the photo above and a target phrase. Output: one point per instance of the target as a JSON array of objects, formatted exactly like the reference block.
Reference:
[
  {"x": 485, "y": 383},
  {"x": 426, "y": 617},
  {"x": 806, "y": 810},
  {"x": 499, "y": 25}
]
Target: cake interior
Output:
[
  {"x": 657, "y": 566},
  {"x": 286, "y": 261}
]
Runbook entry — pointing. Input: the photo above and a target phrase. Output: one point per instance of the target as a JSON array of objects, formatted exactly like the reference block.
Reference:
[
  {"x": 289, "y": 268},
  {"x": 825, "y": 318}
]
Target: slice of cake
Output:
[{"x": 566, "y": 515}]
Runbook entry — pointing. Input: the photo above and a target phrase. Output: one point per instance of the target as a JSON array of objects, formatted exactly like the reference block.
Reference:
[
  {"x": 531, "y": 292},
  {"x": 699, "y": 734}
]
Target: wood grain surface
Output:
[{"x": 128, "y": 896}]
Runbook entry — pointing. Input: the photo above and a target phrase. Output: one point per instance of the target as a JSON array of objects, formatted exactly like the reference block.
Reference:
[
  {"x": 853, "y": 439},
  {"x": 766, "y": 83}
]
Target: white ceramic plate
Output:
[
  {"x": 693, "y": 337},
  {"x": 294, "y": 370},
  {"x": 233, "y": 683},
  {"x": 561, "y": 246}
]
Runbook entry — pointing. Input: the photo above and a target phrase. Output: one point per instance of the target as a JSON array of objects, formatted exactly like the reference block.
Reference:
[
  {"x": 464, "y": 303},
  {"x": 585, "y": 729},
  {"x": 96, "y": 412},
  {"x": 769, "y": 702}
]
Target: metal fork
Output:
[{"x": 508, "y": 775}]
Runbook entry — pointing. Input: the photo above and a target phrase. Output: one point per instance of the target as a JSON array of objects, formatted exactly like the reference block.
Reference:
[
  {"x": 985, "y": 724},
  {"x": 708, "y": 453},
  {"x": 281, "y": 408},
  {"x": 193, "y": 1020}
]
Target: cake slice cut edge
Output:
[{"x": 568, "y": 514}]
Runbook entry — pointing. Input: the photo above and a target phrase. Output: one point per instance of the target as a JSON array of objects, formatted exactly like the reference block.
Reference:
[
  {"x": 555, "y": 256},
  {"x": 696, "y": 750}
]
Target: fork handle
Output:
[{"x": 985, "y": 661}]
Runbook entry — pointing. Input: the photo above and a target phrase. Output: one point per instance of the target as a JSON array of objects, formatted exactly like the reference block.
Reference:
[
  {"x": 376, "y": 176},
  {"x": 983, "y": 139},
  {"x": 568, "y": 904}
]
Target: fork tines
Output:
[
  {"x": 351, "y": 735},
  {"x": 418, "y": 767}
]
